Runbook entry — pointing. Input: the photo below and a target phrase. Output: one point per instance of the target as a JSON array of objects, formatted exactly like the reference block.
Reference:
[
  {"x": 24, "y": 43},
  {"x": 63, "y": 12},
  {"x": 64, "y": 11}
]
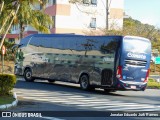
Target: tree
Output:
[
  {"x": 27, "y": 15},
  {"x": 10, "y": 22},
  {"x": 136, "y": 28},
  {"x": 22, "y": 13}
]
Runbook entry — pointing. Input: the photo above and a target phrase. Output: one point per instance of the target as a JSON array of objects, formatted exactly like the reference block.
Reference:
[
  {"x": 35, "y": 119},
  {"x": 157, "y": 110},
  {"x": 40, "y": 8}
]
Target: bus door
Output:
[{"x": 136, "y": 54}]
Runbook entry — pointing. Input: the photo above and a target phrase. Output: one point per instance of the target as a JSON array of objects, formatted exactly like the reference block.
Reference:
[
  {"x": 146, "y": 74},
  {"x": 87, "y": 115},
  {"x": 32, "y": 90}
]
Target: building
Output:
[{"x": 86, "y": 17}]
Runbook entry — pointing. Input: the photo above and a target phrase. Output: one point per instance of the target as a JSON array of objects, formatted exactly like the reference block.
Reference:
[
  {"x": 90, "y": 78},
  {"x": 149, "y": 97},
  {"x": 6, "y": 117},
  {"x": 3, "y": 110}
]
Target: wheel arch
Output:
[
  {"x": 83, "y": 73},
  {"x": 27, "y": 67}
]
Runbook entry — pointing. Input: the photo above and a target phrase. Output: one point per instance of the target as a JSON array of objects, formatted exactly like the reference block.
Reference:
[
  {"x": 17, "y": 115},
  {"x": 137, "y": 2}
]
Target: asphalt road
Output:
[{"x": 57, "y": 101}]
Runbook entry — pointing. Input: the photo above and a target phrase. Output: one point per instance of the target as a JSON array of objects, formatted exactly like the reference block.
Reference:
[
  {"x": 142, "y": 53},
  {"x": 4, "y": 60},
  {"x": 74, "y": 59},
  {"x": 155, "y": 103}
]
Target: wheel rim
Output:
[
  {"x": 28, "y": 75},
  {"x": 84, "y": 82}
]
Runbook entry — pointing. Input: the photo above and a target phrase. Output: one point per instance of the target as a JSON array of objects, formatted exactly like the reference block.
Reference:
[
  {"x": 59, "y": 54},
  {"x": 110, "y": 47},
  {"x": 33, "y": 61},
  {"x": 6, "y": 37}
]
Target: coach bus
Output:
[{"x": 107, "y": 62}]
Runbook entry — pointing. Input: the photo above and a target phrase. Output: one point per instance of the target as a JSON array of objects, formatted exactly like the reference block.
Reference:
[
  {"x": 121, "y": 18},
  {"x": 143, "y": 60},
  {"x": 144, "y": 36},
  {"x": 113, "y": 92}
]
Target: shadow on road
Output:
[
  {"x": 68, "y": 88},
  {"x": 60, "y": 87}
]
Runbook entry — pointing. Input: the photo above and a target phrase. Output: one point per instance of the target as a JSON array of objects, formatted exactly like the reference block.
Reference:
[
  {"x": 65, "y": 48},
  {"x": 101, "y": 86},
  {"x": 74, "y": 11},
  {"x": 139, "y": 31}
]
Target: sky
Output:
[{"x": 146, "y": 11}]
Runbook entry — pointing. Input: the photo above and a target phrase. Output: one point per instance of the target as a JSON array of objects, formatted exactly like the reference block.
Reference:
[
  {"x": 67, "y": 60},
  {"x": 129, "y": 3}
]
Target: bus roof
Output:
[
  {"x": 75, "y": 35},
  {"x": 135, "y": 37},
  {"x": 70, "y": 35}
]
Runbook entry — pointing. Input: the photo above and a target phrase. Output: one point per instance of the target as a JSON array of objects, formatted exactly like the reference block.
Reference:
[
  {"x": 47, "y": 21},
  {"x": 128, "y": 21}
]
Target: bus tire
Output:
[
  {"x": 84, "y": 82},
  {"x": 28, "y": 75}
]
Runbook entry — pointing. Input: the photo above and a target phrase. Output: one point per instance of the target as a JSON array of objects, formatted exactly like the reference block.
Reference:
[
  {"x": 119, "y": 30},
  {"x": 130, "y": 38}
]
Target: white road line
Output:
[
  {"x": 150, "y": 109},
  {"x": 131, "y": 108},
  {"x": 82, "y": 101},
  {"x": 46, "y": 99},
  {"x": 58, "y": 94},
  {"x": 107, "y": 104},
  {"x": 88, "y": 100},
  {"x": 52, "y": 118},
  {"x": 123, "y": 105}
]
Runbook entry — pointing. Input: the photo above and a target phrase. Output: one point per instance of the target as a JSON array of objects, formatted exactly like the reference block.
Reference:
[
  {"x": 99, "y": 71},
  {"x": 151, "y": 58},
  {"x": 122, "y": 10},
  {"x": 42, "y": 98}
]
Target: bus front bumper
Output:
[{"x": 134, "y": 86}]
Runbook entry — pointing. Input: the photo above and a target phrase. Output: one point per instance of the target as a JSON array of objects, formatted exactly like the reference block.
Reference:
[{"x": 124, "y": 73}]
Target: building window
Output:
[
  {"x": 94, "y": 2},
  {"x": 52, "y": 25},
  {"x": 54, "y": 2},
  {"x": 86, "y": 1},
  {"x": 40, "y": 7},
  {"x": 11, "y": 40},
  {"x": 54, "y": 21},
  {"x": 93, "y": 23},
  {"x": 51, "y": 2}
]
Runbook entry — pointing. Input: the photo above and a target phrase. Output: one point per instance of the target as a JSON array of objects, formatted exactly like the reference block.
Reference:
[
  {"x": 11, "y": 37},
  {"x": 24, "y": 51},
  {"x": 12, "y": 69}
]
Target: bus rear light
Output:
[
  {"x": 147, "y": 76},
  {"x": 119, "y": 72}
]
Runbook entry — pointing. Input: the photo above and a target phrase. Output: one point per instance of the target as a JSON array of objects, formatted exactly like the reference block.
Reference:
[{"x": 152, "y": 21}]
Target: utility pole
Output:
[{"x": 107, "y": 13}]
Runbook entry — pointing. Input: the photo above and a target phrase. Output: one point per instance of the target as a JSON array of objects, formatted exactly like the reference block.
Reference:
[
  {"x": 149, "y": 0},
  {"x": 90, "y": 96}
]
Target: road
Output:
[{"x": 62, "y": 97}]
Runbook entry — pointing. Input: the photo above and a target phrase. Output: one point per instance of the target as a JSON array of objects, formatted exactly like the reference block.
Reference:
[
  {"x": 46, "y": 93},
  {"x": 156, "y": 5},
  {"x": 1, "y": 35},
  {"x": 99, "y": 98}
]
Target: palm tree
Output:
[
  {"x": 6, "y": 12},
  {"x": 29, "y": 16},
  {"x": 24, "y": 14},
  {"x": 7, "y": 22},
  {"x": 1, "y": 8}
]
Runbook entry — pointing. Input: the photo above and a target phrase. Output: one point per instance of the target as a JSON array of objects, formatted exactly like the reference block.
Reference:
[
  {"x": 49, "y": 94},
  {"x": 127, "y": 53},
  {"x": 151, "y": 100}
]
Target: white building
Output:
[{"x": 81, "y": 18}]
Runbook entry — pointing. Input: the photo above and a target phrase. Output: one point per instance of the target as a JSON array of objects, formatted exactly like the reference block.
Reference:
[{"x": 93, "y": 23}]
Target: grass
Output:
[
  {"x": 153, "y": 84},
  {"x": 6, "y": 99}
]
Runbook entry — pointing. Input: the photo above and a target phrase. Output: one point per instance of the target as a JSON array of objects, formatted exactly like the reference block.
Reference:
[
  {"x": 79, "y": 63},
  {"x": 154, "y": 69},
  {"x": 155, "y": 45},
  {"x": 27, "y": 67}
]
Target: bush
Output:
[
  {"x": 153, "y": 84},
  {"x": 7, "y": 83},
  {"x": 151, "y": 80}
]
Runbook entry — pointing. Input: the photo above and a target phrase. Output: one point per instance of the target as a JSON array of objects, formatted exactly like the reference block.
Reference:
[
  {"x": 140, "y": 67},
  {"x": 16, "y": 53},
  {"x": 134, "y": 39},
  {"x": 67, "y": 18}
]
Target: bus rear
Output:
[{"x": 133, "y": 70}]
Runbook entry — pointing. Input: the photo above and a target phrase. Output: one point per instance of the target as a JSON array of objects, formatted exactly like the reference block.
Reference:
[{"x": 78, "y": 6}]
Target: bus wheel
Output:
[
  {"x": 28, "y": 75},
  {"x": 84, "y": 82}
]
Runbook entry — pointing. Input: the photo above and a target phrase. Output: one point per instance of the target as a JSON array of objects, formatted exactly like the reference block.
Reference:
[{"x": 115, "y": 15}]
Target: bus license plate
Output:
[{"x": 133, "y": 87}]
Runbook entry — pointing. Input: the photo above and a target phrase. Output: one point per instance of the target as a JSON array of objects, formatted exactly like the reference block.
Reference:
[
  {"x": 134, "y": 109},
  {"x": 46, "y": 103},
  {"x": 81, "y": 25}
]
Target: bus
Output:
[{"x": 106, "y": 62}]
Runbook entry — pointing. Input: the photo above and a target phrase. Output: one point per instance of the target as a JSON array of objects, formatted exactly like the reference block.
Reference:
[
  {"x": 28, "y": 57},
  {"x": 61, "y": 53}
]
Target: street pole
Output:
[{"x": 107, "y": 14}]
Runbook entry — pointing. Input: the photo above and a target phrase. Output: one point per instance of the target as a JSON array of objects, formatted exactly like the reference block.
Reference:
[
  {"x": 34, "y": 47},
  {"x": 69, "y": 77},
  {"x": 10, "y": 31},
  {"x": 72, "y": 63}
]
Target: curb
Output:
[{"x": 13, "y": 104}]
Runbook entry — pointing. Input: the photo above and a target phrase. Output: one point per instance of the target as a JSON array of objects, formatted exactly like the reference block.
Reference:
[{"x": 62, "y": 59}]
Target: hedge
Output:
[
  {"x": 7, "y": 82},
  {"x": 153, "y": 84}
]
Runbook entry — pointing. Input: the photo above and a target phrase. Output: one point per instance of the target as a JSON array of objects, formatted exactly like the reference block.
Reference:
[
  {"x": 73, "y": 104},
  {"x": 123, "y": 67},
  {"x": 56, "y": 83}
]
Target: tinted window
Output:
[
  {"x": 137, "y": 45},
  {"x": 109, "y": 46}
]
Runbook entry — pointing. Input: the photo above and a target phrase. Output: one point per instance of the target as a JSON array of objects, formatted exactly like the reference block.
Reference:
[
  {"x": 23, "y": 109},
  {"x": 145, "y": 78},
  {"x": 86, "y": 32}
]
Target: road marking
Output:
[
  {"x": 52, "y": 118},
  {"x": 131, "y": 108},
  {"x": 82, "y": 101},
  {"x": 123, "y": 106}
]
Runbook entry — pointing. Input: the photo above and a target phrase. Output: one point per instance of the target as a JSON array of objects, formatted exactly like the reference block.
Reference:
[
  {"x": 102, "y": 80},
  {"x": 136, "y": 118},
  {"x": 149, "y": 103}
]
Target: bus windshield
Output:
[{"x": 137, "y": 45}]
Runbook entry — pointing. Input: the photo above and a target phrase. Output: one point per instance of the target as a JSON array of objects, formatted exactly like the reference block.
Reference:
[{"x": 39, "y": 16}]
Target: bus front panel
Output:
[{"x": 134, "y": 66}]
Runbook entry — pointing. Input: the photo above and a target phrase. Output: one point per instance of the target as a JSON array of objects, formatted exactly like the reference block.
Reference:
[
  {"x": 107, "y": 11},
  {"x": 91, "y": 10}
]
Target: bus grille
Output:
[
  {"x": 106, "y": 77},
  {"x": 135, "y": 62}
]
